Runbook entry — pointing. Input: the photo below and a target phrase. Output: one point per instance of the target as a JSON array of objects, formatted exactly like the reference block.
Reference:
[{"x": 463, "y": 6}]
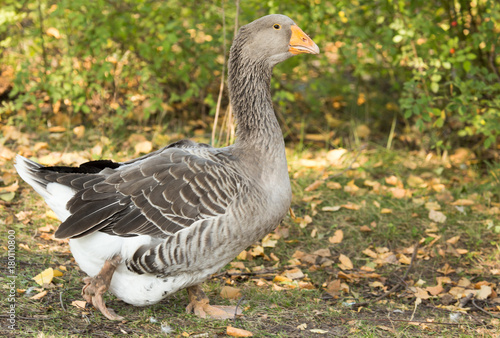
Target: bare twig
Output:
[
  {"x": 237, "y": 305},
  {"x": 483, "y": 310},
  {"x": 221, "y": 88}
]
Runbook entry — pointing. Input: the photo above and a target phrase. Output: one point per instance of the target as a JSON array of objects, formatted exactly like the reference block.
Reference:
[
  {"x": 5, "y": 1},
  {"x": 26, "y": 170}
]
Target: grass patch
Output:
[{"x": 382, "y": 202}]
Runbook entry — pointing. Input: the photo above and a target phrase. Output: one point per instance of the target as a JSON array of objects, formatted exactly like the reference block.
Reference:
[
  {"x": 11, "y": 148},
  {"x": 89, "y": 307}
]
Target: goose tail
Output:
[{"x": 56, "y": 195}]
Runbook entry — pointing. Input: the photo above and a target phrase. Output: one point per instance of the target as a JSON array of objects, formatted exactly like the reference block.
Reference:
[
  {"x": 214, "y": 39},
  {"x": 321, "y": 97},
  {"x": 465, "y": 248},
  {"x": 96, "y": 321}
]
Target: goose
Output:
[{"x": 149, "y": 227}]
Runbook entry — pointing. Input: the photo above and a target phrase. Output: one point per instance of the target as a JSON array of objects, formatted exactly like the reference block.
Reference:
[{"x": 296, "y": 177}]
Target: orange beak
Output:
[{"x": 301, "y": 43}]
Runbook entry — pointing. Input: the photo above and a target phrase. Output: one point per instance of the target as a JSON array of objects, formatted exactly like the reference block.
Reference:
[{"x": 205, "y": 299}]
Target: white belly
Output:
[{"x": 92, "y": 251}]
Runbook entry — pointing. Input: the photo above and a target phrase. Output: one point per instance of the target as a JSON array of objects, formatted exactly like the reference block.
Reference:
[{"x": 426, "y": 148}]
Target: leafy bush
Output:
[{"x": 433, "y": 64}]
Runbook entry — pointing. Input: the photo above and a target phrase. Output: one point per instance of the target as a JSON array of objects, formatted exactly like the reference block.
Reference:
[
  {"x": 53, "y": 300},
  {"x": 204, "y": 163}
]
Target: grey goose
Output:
[{"x": 167, "y": 221}]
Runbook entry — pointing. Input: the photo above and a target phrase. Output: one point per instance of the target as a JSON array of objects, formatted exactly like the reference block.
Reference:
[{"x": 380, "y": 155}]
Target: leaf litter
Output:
[{"x": 329, "y": 266}]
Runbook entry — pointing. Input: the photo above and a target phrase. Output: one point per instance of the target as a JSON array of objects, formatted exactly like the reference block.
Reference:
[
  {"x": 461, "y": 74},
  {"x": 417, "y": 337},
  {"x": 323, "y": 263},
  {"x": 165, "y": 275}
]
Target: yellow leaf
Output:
[
  {"x": 79, "y": 304},
  {"x": 39, "y": 295},
  {"x": 351, "y": 206},
  {"x": 79, "y": 131},
  {"x": 453, "y": 240},
  {"x": 386, "y": 211},
  {"x": 432, "y": 206},
  {"x": 50, "y": 159},
  {"x": 305, "y": 221},
  {"x": 228, "y": 292},
  {"x": 404, "y": 259},
  {"x": 234, "y": 332},
  {"x": 242, "y": 255},
  {"x": 365, "y": 228},
  {"x": 282, "y": 279},
  {"x": 334, "y": 185},
  {"x": 257, "y": 251},
  {"x": 421, "y": 293},
  {"x": 335, "y": 208},
  {"x": 463, "y": 202},
  {"x": 370, "y": 253},
  {"x": 416, "y": 182},
  {"x": 45, "y": 277},
  {"x": 399, "y": 192},
  {"x": 294, "y": 273},
  {"x": 143, "y": 147},
  {"x": 268, "y": 241},
  {"x": 314, "y": 185},
  {"x": 52, "y": 31},
  {"x": 337, "y": 237},
  {"x": 437, "y": 216},
  {"x": 435, "y": 290},
  {"x": 10, "y": 188},
  {"x": 484, "y": 292},
  {"x": 392, "y": 180},
  {"x": 346, "y": 262}
]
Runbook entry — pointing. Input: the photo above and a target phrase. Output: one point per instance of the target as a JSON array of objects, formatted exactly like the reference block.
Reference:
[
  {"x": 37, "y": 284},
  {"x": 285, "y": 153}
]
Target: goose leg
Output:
[
  {"x": 96, "y": 286},
  {"x": 199, "y": 304}
]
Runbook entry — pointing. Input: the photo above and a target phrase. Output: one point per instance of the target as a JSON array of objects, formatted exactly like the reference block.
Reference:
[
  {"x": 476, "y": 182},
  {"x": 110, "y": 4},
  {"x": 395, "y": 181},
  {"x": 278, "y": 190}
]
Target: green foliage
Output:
[{"x": 113, "y": 63}]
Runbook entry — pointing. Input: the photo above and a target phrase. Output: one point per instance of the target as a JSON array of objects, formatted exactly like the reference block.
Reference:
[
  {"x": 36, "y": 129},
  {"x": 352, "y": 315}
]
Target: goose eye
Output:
[{"x": 277, "y": 26}]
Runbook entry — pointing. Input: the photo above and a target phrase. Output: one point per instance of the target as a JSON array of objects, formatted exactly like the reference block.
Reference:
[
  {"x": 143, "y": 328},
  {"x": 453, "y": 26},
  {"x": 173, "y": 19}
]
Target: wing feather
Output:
[{"x": 156, "y": 195}]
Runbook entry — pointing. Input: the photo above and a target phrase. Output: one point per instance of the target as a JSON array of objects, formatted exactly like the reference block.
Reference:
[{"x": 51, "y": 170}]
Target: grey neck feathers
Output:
[{"x": 249, "y": 87}]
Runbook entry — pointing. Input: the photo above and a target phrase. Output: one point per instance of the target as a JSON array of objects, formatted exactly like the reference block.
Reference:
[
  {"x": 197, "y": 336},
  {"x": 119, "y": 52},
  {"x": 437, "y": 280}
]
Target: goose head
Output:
[{"x": 271, "y": 40}]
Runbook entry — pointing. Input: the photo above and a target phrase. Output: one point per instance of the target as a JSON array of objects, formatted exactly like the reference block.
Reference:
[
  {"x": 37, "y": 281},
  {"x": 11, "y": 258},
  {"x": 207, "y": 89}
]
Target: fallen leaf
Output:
[
  {"x": 437, "y": 216},
  {"x": 79, "y": 304},
  {"x": 351, "y": 187},
  {"x": 333, "y": 288},
  {"x": 386, "y": 211},
  {"x": 305, "y": 221},
  {"x": 39, "y": 295},
  {"x": 463, "y": 202},
  {"x": 346, "y": 262},
  {"x": 337, "y": 237},
  {"x": 335, "y": 208},
  {"x": 229, "y": 292},
  {"x": 10, "y": 188},
  {"x": 370, "y": 253},
  {"x": 46, "y": 276},
  {"x": 484, "y": 292},
  {"x": 392, "y": 180},
  {"x": 421, "y": 293},
  {"x": 79, "y": 131},
  {"x": 333, "y": 185},
  {"x": 323, "y": 252},
  {"x": 256, "y": 251},
  {"x": 399, "y": 192},
  {"x": 47, "y": 228},
  {"x": 268, "y": 241},
  {"x": 54, "y": 32},
  {"x": 403, "y": 259},
  {"x": 318, "y": 331},
  {"x": 143, "y": 147},
  {"x": 351, "y": 206},
  {"x": 432, "y": 206},
  {"x": 453, "y": 240},
  {"x": 435, "y": 290},
  {"x": 416, "y": 182},
  {"x": 234, "y": 332},
  {"x": 7, "y": 197},
  {"x": 315, "y": 185},
  {"x": 302, "y": 327},
  {"x": 365, "y": 228},
  {"x": 294, "y": 273}
]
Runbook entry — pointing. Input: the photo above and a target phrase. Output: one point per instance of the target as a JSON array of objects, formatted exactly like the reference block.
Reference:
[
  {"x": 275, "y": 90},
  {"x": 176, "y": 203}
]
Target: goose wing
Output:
[{"x": 156, "y": 195}]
